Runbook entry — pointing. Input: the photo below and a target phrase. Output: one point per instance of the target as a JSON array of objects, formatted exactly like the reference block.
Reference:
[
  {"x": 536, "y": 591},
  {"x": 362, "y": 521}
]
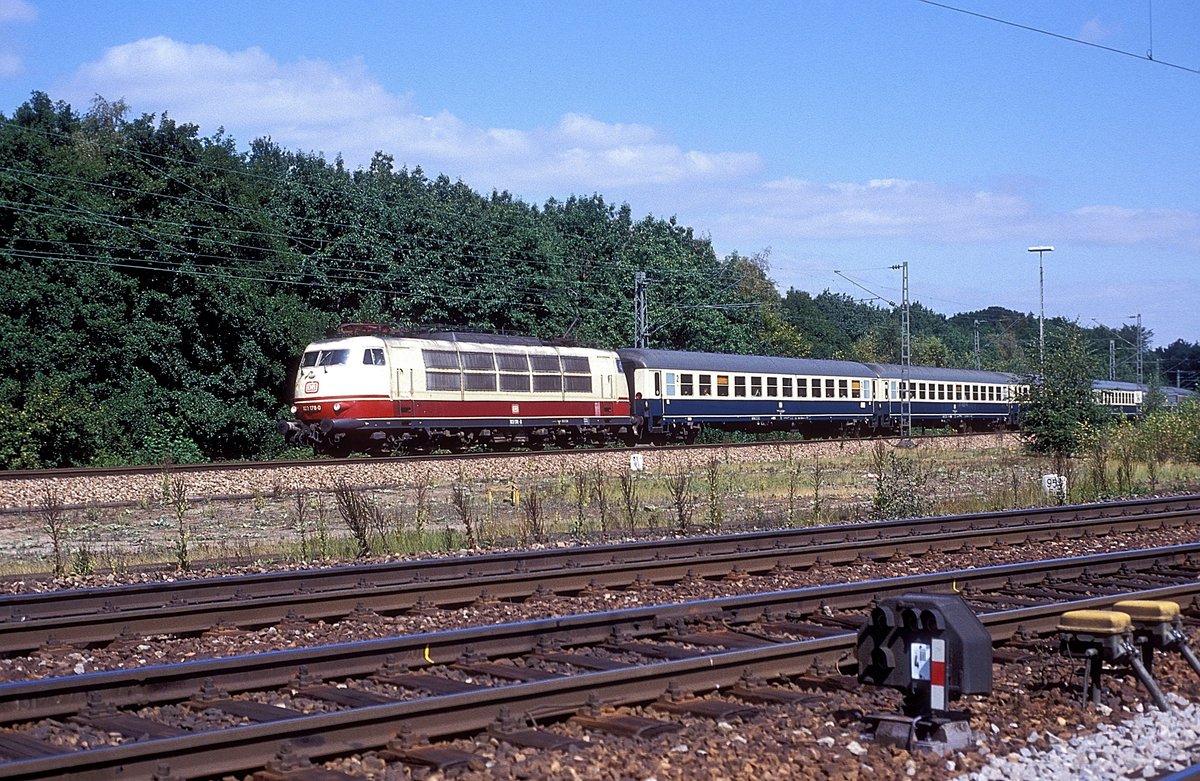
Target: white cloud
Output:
[
  {"x": 931, "y": 212},
  {"x": 339, "y": 108},
  {"x": 16, "y": 11},
  {"x": 1096, "y": 31}
]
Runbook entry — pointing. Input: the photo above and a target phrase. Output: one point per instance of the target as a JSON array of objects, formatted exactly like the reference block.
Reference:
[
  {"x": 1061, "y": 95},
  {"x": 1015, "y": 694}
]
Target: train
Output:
[{"x": 378, "y": 390}]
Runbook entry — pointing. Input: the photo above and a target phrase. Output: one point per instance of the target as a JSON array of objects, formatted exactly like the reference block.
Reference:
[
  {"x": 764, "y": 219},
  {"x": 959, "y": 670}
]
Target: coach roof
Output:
[{"x": 746, "y": 364}]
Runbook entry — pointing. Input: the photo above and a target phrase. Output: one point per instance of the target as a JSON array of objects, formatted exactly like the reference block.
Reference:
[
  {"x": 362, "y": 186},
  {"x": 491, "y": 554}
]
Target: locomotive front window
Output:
[
  {"x": 330, "y": 358},
  {"x": 309, "y": 359}
]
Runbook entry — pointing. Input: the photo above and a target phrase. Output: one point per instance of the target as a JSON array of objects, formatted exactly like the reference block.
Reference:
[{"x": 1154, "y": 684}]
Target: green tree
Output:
[{"x": 1060, "y": 406}]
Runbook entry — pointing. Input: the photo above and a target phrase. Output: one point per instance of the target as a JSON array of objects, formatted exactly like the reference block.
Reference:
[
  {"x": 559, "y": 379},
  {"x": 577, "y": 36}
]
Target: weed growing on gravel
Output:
[
  {"x": 183, "y": 529},
  {"x": 56, "y": 525}
]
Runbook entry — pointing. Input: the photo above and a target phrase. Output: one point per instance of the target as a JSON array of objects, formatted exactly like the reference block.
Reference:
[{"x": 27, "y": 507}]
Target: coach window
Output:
[
  {"x": 772, "y": 386},
  {"x": 670, "y": 383},
  {"x": 843, "y": 389},
  {"x": 802, "y": 387},
  {"x": 722, "y": 384},
  {"x": 786, "y": 383},
  {"x": 756, "y": 386},
  {"x": 705, "y": 384},
  {"x": 856, "y": 389},
  {"x": 829, "y": 385},
  {"x": 739, "y": 386},
  {"x": 687, "y": 385}
]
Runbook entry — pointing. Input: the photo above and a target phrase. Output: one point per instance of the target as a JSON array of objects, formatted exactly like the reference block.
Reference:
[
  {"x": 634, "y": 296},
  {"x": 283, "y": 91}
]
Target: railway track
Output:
[
  {"x": 22, "y": 475},
  {"x": 97, "y": 616},
  {"x": 280, "y": 710}
]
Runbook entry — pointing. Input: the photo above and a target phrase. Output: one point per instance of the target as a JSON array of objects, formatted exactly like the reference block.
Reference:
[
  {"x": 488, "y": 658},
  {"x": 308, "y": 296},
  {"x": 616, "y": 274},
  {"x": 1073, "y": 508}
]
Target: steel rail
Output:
[
  {"x": 33, "y": 699},
  {"x": 26, "y": 606},
  {"x": 389, "y": 589},
  {"x": 241, "y": 749}
]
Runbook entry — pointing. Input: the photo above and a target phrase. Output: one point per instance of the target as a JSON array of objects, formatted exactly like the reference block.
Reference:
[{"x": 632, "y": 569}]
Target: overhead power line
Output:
[{"x": 1148, "y": 56}]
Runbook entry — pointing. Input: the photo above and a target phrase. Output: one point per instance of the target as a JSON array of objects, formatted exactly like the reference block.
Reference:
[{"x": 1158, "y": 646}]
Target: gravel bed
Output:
[{"x": 284, "y": 480}]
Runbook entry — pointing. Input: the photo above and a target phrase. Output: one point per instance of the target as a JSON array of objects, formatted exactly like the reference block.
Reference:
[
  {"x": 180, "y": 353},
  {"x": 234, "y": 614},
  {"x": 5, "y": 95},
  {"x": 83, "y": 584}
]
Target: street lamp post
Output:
[{"x": 1042, "y": 297}]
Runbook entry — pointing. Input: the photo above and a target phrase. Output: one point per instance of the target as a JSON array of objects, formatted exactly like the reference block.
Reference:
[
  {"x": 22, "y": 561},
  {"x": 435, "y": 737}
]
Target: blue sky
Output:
[{"x": 832, "y": 134}]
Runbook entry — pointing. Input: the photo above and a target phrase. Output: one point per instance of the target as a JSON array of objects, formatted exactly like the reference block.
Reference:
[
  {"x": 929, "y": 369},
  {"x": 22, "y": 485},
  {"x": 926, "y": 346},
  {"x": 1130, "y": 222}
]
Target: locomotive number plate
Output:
[{"x": 311, "y": 407}]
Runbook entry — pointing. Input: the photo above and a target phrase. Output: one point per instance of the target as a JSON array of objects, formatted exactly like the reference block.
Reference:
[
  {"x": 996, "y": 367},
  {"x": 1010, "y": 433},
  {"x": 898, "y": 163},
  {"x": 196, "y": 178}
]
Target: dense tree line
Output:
[{"x": 155, "y": 283}]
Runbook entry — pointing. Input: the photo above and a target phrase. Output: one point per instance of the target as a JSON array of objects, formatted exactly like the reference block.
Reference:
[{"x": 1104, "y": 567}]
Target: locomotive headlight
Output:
[
  {"x": 337, "y": 407},
  {"x": 293, "y": 409}
]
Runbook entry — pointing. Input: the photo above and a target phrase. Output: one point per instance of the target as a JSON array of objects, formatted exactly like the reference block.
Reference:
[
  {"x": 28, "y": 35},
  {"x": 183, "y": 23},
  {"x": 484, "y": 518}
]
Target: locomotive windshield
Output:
[{"x": 324, "y": 358}]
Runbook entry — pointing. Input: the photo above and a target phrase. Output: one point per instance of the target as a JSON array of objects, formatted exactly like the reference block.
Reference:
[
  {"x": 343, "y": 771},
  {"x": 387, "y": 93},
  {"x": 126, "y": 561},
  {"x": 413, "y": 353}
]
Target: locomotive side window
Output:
[
  {"x": 739, "y": 386},
  {"x": 478, "y": 361},
  {"x": 576, "y": 364},
  {"x": 373, "y": 356},
  {"x": 507, "y": 362},
  {"x": 544, "y": 363},
  {"x": 440, "y": 359},
  {"x": 574, "y": 383},
  {"x": 722, "y": 384},
  {"x": 480, "y": 381},
  {"x": 687, "y": 385},
  {"x": 515, "y": 383},
  {"x": 443, "y": 381}
]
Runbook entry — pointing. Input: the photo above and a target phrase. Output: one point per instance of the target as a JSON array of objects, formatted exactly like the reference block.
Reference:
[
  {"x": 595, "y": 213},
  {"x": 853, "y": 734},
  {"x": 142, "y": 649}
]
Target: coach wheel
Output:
[
  {"x": 658, "y": 440},
  {"x": 690, "y": 437}
]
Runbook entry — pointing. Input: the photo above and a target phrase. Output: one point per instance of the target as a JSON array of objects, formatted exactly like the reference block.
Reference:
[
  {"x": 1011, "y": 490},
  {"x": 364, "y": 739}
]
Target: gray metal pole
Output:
[{"x": 640, "y": 327}]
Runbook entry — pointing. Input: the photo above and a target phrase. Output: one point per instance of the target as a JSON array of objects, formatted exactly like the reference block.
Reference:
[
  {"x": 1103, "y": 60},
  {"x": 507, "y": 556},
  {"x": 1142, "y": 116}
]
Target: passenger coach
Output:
[{"x": 677, "y": 393}]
